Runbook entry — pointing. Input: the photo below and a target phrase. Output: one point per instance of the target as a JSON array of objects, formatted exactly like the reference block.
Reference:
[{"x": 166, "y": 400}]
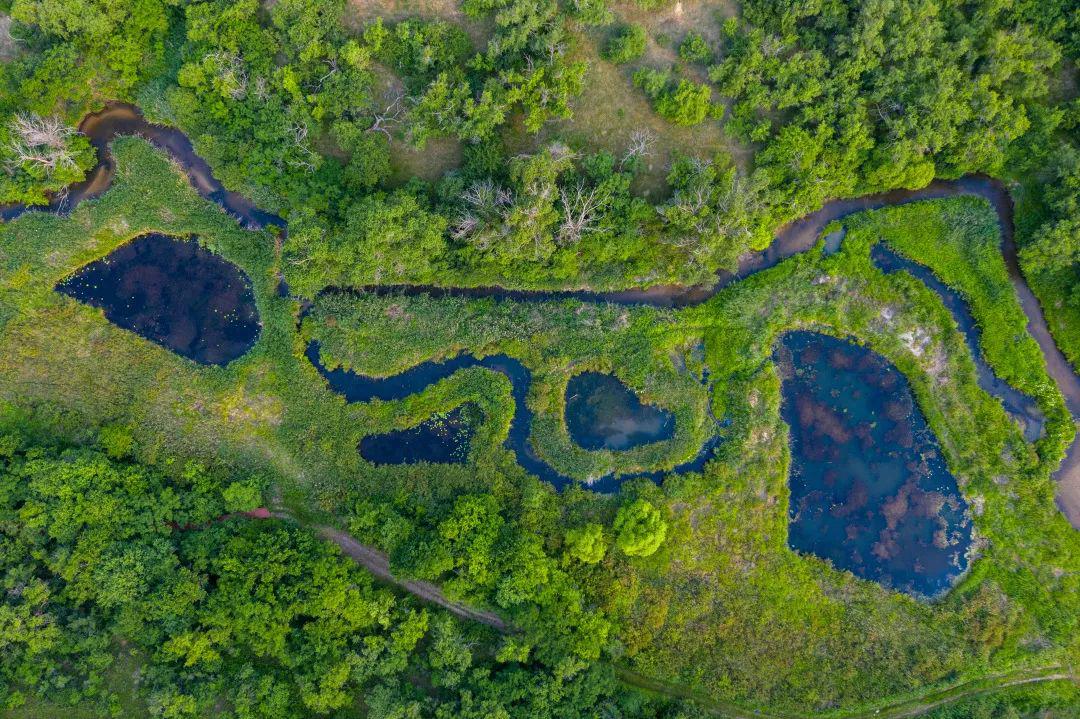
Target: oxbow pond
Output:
[{"x": 603, "y": 413}]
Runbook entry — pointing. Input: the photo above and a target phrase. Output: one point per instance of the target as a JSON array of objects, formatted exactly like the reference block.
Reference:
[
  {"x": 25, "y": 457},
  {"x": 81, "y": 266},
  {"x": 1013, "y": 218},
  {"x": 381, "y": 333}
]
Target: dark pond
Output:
[
  {"x": 361, "y": 388},
  {"x": 443, "y": 439},
  {"x": 1019, "y": 405},
  {"x": 603, "y": 413},
  {"x": 175, "y": 293},
  {"x": 870, "y": 491}
]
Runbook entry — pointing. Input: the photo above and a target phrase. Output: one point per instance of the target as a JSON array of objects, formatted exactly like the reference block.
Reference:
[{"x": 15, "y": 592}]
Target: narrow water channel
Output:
[
  {"x": 1020, "y": 406},
  {"x": 356, "y": 387}
]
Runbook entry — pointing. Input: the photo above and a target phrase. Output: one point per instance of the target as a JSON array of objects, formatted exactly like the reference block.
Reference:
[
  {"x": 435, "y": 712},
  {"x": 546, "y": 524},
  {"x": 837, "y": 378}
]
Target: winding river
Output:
[
  {"x": 361, "y": 388},
  {"x": 799, "y": 236}
]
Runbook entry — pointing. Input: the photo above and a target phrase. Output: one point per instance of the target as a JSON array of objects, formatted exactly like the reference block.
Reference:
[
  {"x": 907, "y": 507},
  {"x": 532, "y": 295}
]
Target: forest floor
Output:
[{"x": 609, "y": 110}]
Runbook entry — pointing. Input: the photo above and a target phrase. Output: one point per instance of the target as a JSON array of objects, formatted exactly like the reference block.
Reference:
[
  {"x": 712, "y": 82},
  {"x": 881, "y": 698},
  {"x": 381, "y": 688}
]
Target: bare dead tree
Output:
[
  {"x": 641, "y": 143},
  {"x": 561, "y": 151},
  {"x": 390, "y": 116},
  {"x": 771, "y": 46},
  {"x": 690, "y": 201},
  {"x": 306, "y": 158},
  {"x": 481, "y": 195},
  {"x": 40, "y": 141},
  {"x": 487, "y": 205},
  {"x": 555, "y": 50},
  {"x": 261, "y": 89},
  {"x": 333, "y": 64},
  {"x": 465, "y": 226},
  {"x": 231, "y": 71},
  {"x": 579, "y": 212}
]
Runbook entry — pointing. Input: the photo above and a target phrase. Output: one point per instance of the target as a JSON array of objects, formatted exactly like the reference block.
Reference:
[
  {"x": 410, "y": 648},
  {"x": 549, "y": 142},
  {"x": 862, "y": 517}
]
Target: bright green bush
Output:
[
  {"x": 694, "y": 48},
  {"x": 586, "y": 544},
  {"x": 640, "y": 528},
  {"x": 626, "y": 45},
  {"x": 686, "y": 103}
]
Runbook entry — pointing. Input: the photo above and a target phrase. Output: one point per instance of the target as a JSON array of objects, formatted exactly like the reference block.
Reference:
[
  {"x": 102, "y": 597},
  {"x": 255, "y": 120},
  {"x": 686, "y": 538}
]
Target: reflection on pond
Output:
[
  {"x": 870, "y": 491},
  {"x": 175, "y": 293},
  {"x": 443, "y": 438},
  {"x": 603, "y": 413}
]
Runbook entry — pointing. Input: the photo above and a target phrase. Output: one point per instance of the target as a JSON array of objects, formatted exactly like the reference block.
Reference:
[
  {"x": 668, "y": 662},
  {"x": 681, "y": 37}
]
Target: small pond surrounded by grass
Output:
[
  {"x": 175, "y": 293},
  {"x": 442, "y": 439},
  {"x": 603, "y": 413},
  {"x": 870, "y": 491},
  {"x": 356, "y": 387}
]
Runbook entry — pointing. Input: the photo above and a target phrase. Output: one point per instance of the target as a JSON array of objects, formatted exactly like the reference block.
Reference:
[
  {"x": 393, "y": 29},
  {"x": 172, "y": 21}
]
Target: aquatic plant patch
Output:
[{"x": 441, "y": 439}]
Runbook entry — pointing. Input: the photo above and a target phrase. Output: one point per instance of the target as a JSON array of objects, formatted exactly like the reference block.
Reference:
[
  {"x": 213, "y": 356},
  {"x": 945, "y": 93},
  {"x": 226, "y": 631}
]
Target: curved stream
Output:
[
  {"x": 799, "y": 236},
  {"x": 361, "y": 388},
  {"x": 1022, "y": 407}
]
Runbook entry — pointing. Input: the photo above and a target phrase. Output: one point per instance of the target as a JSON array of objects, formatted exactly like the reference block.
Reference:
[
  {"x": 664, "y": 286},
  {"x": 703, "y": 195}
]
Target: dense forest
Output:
[{"x": 451, "y": 145}]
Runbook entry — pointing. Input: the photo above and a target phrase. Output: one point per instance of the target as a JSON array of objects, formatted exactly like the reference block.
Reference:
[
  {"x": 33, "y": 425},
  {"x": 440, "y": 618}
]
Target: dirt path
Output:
[{"x": 378, "y": 564}]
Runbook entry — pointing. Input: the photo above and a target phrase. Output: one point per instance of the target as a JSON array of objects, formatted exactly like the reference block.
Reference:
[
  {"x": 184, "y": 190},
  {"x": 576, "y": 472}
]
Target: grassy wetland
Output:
[{"x": 437, "y": 360}]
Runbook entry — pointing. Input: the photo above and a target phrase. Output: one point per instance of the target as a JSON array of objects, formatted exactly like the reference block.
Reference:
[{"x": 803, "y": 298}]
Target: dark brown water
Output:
[
  {"x": 799, "y": 236},
  {"x": 118, "y": 119}
]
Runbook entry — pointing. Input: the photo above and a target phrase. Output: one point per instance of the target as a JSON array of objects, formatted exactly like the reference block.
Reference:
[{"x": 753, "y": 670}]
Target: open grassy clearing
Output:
[
  {"x": 611, "y": 109},
  {"x": 668, "y": 25},
  {"x": 360, "y": 12},
  {"x": 608, "y": 112}
]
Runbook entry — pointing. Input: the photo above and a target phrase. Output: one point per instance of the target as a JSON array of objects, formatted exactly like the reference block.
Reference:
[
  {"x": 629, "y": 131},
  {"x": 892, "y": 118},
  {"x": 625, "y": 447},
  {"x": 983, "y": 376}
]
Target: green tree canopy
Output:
[{"x": 639, "y": 528}]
